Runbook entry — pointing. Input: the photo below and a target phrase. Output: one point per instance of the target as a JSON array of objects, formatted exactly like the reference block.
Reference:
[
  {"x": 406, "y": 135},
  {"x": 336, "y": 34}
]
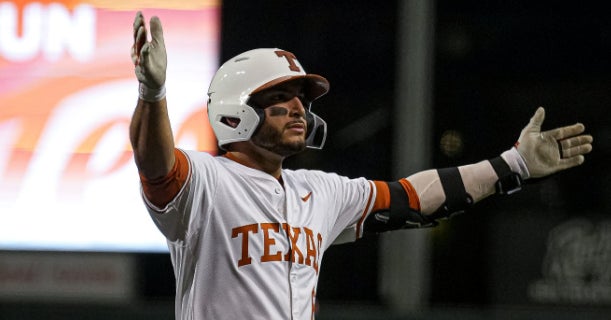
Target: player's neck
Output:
[{"x": 256, "y": 158}]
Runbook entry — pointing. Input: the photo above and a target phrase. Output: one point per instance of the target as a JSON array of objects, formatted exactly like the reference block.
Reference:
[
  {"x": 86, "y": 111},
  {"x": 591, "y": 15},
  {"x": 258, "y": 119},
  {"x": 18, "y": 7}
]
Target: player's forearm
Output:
[
  {"x": 151, "y": 138},
  {"x": 479, "y": 180}
]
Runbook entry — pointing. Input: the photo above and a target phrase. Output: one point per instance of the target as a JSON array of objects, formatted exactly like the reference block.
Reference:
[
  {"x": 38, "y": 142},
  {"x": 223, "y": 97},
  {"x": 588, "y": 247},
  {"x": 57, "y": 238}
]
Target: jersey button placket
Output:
[
  {"x": 294, "y": 291},
  {"x": 280, "y": 203}
]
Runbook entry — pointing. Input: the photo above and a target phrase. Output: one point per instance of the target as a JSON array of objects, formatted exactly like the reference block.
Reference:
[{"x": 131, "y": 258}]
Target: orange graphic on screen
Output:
[{"x": 67, "y": 91}]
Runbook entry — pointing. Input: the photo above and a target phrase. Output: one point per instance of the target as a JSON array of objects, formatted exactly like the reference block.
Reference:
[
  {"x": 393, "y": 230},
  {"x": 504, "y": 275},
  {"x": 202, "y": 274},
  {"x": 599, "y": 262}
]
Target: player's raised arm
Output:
[{"x": 150, "y": 131}]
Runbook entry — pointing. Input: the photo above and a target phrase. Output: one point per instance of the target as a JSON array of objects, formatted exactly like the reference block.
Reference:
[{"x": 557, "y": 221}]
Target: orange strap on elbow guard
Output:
[
  {"x": 383, "y": 197},
  {"x": 396, "y": 206},
  {"x": 161, "y": 191}
]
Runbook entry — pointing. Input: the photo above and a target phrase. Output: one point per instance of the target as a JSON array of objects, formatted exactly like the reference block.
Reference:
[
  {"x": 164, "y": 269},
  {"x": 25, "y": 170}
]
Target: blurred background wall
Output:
[{"x": 543, "y": 253}]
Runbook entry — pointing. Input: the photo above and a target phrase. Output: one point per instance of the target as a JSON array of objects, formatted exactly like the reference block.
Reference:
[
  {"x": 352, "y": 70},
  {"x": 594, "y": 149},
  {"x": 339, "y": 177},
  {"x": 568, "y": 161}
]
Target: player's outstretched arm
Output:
[
  {"x": 150, "y": 131},
  {"x": 423, "y": 198},
  {"x": 536, "y": 154}
]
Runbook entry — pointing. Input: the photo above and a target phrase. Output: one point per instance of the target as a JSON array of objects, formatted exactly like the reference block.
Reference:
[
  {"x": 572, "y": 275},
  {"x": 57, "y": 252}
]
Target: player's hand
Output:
[
  {"x": 551, "y": 151},
  {"x": 149, "y": 57}
]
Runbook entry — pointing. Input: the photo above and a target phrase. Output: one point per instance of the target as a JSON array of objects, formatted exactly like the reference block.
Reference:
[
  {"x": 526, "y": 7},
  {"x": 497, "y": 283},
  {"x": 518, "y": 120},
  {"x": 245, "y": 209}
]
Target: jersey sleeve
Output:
[
  {"x": 177, "y": 219},
  {"x": 379, "y": 200},
  {"x": 350, "y": 201},
  {"x": 354, "y": 229}
]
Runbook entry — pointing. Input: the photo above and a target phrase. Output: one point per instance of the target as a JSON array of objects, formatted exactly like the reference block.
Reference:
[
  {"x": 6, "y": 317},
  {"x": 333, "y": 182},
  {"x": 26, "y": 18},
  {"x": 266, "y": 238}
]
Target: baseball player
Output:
[{"x": 247, "y": 237}]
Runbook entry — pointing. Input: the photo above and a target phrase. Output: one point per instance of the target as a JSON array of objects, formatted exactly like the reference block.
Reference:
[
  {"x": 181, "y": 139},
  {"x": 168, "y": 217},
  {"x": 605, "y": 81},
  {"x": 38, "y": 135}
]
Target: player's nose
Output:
[{"x": 296, "y": 107}]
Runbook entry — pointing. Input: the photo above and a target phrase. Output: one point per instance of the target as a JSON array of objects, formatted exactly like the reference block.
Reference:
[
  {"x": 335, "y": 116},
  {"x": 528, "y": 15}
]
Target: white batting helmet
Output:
[{"x": 251, "y": 72}]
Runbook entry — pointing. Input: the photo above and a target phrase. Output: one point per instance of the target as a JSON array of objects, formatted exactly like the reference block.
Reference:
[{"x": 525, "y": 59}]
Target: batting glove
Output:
[
  {"x": 149, "y": 58},
  {"x": 551, "y": 151}
]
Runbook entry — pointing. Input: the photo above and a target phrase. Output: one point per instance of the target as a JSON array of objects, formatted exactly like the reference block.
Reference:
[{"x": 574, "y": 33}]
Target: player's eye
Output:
[
  {"x": 279, "y": 97},
  {"x": 277, "y": 111},
  {"x": 273, "y": 97}
]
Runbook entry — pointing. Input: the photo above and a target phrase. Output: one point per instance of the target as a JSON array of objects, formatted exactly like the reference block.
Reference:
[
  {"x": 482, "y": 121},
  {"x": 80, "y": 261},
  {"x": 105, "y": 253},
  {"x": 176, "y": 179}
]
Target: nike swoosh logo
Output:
[{"x": 306, "y": 197}]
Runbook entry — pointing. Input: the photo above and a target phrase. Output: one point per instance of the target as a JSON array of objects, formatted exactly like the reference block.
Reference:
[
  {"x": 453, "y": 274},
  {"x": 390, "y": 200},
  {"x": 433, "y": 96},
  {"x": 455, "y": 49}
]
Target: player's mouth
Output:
[{"x": 296, "y": 126}]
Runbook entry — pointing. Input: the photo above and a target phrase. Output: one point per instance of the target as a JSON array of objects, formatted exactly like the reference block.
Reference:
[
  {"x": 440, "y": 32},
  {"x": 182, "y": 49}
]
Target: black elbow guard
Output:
[{"x": 398, "y": 216}]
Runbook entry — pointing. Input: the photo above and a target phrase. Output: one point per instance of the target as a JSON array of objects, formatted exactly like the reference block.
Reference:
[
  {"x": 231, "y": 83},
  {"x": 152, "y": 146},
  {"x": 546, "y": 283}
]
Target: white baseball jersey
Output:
[{"x": 245, "y": 246}]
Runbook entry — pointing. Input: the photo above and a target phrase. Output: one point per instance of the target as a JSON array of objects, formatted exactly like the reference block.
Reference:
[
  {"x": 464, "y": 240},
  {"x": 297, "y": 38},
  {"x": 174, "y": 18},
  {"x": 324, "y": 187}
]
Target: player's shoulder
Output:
[
  {"x": 202, "y": 157},
  {"x": 194, "y": 154},
  {"x": 221, "y": 164},
  {"x": 315, "y": 176},
  {"x": 305, "y": 173},
  {"x": 202, "y": 161}
]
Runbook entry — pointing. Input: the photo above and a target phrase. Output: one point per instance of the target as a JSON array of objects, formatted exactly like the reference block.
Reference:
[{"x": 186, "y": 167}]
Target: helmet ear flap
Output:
[{"x": 234, "y": 123}]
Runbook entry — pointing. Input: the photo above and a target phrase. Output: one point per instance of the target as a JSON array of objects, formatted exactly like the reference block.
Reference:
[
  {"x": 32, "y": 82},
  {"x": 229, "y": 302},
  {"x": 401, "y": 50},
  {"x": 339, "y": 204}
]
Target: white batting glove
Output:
[
  {"x": 149, "y": 58},
  {"x": 551, "y": 151}
]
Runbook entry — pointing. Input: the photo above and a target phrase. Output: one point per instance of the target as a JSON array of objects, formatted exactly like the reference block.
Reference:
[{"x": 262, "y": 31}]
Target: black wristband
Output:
[{"x": 509, "y": 182}]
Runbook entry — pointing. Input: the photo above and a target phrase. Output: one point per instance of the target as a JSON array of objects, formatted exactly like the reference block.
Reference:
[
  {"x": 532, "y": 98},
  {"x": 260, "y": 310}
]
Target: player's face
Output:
[{"x": 284, "y": 129}]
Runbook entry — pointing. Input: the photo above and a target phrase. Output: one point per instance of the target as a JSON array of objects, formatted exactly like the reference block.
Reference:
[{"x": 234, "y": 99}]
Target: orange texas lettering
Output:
[{"x": 304, "y": 248}]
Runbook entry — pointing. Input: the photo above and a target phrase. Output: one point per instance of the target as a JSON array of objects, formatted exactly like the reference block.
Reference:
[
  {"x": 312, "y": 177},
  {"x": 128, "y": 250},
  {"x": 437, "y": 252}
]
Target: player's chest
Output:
[
  {"x": 269, "y": 201},
  {"x": 268, "y": 223}
]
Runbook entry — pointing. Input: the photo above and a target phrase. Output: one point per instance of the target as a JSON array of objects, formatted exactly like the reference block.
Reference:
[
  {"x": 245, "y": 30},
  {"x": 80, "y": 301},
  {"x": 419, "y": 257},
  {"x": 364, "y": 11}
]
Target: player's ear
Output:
[{"x": 232, "y": 122}]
